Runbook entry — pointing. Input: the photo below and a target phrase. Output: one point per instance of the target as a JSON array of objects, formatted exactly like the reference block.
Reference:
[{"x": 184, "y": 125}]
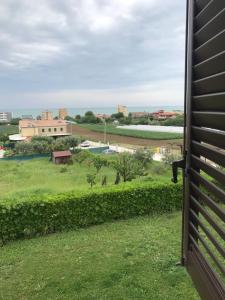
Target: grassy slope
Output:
[
  {"x": 20, "y": 179},
  {"x": 134, "y": 133},
  {"x": 133, "y": 259}
]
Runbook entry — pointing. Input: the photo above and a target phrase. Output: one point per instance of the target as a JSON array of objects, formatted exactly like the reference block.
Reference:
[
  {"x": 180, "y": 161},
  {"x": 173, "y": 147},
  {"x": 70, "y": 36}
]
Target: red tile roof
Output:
[{"x": 61, "y": 153}]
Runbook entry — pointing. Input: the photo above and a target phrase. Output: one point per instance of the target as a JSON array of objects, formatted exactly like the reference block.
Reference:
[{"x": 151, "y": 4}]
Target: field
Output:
[
  {"x": 132, "y": 259},
  {"x": 134, "y": 133},
  {"x": 128, "y": 141},
  {"x": 20, "y": 179}
]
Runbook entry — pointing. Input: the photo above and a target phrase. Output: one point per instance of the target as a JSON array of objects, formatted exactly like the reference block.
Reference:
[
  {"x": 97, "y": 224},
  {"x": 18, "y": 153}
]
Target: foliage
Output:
[
  {"x": 15, "y": 121},
  {"x": 24, "y": 148},
  {"x": 47, "y": 139},
  {"x": 178, "y": 121},
  {"x": 82, "y": 156},
  {"x": 104, "y": 180},
  {"x": 170, "y": 157},
  {"x": 134, "y": 133},
  {"x": 43, "y": 214},
  {"x": 98, "y": 162},
  {"x": 128, "y": 167},
  {"x": 144, "y": 156},
  {"x": 117, "y": 180},
  {"x": 91, "y": 179}
]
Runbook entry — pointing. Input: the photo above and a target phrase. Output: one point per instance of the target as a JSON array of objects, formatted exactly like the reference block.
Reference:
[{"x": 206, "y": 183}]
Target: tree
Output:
[
  {"x": 98, "y": 162},
  {"x": 40, "y": 147},
  {"x": 118, "y": 116},
  {"x": 128, "y": 167},
  {"x": 144, "y": 156},
  {"x": 104, "y": 180},
  {"x": 91, "y": 179},
  {"x": 71, "y": 141},
  {"x": 24, "y": 148},
  {"x": 117, "y": 180},
  {"x": 15, "y": 121},
  {"x": 82, "y": 156}
]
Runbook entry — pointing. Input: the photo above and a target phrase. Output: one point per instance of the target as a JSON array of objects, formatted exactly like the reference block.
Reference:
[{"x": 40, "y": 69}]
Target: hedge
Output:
[{"x": 70, "y": 211}]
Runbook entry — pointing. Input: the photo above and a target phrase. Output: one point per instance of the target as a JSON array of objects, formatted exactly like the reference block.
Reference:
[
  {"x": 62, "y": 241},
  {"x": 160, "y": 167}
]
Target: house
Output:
[
  {"x": 163, "y": 115},
  {"x": 54, "y": 128},
  {"x": 103, "y": 116},
  {"x": 136, "y": 115},
  {"x": 61, "y": 157}
]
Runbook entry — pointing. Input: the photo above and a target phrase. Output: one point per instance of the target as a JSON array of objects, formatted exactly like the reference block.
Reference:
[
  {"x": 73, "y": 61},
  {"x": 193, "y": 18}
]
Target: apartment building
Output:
[
  {"x": 47, "y": 115},
  {"x": 63, "y": 113},
  {"x": 123, "y": 109},
  {"x": 5, "y": 117},
  {"x": 54, "y": 128}
]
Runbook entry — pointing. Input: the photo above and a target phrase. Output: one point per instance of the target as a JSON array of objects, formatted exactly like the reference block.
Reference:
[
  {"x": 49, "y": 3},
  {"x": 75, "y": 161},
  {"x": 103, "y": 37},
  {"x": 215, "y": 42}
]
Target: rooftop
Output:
[
  {"x": 61, "y": 153},
  {"x": 41, "y": 123}
]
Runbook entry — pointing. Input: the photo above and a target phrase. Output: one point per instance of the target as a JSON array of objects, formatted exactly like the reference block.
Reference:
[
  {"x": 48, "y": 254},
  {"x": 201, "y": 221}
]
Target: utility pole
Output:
[{"x": 104, "y": 131}]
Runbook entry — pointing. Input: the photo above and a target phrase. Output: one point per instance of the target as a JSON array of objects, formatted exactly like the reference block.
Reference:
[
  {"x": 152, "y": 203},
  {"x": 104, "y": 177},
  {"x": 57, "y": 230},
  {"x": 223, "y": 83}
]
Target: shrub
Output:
[{"x": 57, "y": 212}]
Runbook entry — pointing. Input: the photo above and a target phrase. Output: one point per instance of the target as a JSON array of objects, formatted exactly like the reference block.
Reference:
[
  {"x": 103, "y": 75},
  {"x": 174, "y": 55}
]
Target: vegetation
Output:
[
  {"x": 6, "y": 130},
  {"x": 128, "y": 167},
  {"x": 132, "y": 259},
  {"x": 111, "y": 129},
  {"x": 46, "y": 145},
  {"x": 49, "y": 213},
  {"x": 25, "y": 178}
]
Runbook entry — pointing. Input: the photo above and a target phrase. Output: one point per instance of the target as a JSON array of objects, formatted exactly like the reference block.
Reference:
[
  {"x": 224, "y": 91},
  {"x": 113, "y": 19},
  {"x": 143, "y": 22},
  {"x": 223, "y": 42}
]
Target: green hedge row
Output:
[{"x": 68, "y": 210}]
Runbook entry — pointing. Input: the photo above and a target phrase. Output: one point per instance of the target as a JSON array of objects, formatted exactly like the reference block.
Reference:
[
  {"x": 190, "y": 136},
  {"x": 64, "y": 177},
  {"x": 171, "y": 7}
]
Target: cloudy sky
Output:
[{"x": 87, "y": 53}]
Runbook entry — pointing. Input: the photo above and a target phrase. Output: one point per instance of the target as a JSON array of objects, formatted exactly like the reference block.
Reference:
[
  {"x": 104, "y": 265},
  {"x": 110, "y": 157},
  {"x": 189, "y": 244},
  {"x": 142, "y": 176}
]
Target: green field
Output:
[
  {"x": 132, "y": 259},
  {"x": 21, "y": 179},
  {"x": 133, "y": 133}
]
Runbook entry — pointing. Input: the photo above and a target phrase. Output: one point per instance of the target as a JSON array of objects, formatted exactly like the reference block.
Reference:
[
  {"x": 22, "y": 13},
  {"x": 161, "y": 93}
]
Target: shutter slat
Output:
[
  {"x": 211, "y": 84},
  {"x": 210, "y": 102},
  {"x": 211, "y": 66},
  {"x": 215, "y": 120},
  {"x": 201, "y": 4},
  {"x": 215, "y": 138},
  {"x": 212, "y": 28}
]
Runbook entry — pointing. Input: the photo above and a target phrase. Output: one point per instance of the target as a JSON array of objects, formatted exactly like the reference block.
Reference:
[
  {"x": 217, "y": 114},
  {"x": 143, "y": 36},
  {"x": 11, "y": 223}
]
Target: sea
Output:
[{"x": 18, "y": 113}]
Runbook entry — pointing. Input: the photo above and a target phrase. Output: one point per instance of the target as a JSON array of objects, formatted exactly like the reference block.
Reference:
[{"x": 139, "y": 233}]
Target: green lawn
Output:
[
  {"x": 132, "y": 259},
  {"x": 133, "y": 133},
  {"x": 21, "y": 179}
]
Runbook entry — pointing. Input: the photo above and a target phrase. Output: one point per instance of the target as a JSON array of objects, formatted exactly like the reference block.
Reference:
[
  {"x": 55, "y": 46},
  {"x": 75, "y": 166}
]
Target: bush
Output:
[{"x": 51, "y": 213}]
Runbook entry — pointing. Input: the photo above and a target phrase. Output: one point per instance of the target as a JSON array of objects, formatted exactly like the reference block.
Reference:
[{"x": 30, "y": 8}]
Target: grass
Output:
[
  {"x": 134, "y": 133},
  {"x": 20, "y": 179},
  {"x": 132, "y": 259}
]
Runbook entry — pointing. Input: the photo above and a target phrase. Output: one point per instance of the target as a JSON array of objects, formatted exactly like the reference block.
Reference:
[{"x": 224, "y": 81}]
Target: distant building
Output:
[
  {"x": 63, "y": 113},
  {"x": 163, "y": 115},
  {"x": 140, "y": 115},
  {"x": 27, "y": 117},
  {"x": 61, "y": 157},
  {"x": 5, "y": 117},
  {"x": 54, "y": 128},
  {"x": 123, "y": 109},
  {"x": 47, "y": 115},
  {"x": 103, "y": 116}
]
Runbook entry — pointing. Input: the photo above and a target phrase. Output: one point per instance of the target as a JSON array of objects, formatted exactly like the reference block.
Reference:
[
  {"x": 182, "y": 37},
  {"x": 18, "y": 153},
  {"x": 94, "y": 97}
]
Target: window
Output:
[
  {"x": 49, "y": 130},
  {"x": 61, "y": 129},
  {"x": 55, "y": 129},
  {"x": 43, "y": 130}
]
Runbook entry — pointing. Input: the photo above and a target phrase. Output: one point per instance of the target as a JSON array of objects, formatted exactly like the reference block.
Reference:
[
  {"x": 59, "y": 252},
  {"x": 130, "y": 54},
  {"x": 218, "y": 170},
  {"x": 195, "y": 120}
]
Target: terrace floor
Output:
[{"x": 132, "y": 259}]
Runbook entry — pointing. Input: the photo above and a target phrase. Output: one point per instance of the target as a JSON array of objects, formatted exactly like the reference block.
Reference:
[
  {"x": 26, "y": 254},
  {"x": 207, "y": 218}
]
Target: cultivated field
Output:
[
  {"x": 87, "y": 132},
  {"x": 124, "y": 260}
]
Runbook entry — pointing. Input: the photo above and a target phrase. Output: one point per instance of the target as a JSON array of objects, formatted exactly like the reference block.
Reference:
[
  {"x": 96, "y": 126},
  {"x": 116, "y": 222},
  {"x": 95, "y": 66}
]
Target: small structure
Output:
[{"x": 61, "y": 157}]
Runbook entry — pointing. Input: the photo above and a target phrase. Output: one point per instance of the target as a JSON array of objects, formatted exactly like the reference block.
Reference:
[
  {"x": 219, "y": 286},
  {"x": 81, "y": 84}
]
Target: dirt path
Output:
[{"x": 124, "y": 140}]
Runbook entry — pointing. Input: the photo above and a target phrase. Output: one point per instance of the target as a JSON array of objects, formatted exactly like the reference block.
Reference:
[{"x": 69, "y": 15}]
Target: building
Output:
[
  {"x": 54, "y": 128},
  {"x": 162, "y": 115},
  {"x": 123, "y": 109},
  {"x": 103, "y": 116},
  {"x": 27, "y": 117},
  {"x": 47, "y": 115},
  {"x": 137, "y": 115},
  {"x": 63, "y": 113},
  {"x": 61, "y": 157},
  {"x": 5, "y": 117}
]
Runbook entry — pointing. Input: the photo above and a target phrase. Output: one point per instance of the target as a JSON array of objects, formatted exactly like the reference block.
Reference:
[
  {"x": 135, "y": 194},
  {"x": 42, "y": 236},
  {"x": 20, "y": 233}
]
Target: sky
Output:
[{"x": 91, "y": 53}]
